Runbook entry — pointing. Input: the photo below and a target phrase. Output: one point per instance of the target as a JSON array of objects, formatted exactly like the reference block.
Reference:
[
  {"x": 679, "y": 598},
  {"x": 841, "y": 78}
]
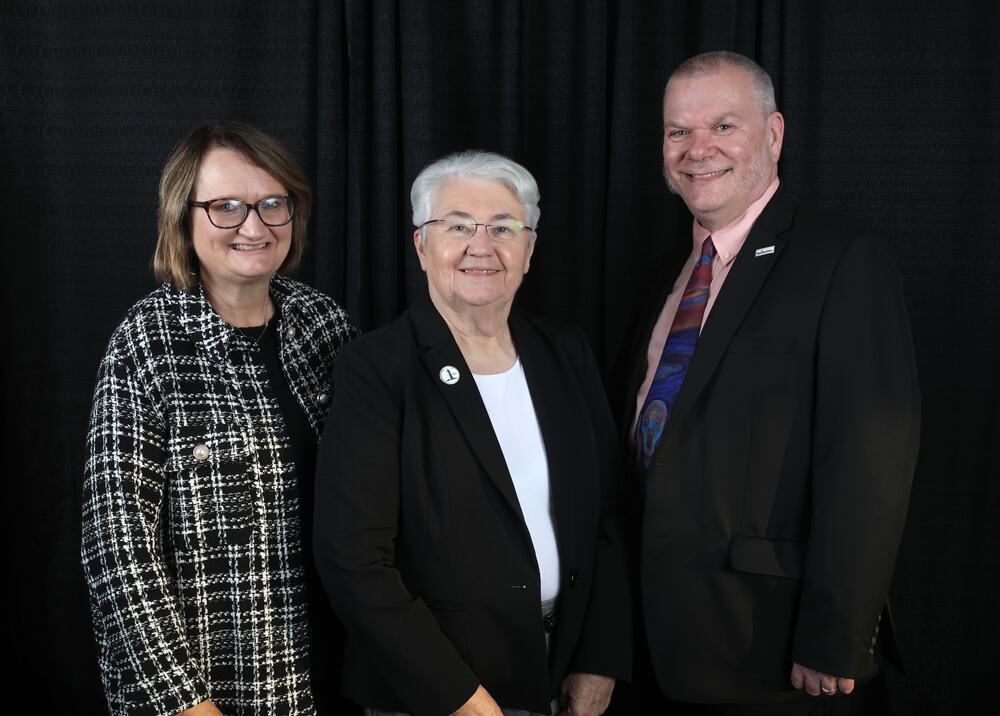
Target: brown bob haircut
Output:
[{"x": 175, "y": 259}]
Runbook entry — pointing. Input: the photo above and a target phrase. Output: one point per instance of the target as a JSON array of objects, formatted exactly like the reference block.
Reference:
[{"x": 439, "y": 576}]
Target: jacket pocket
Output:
[
  {"x": 211, "y": 496},
  {"x": 758, "y": 555},
  {"x": 198, "y": 445},
  {"x": 438, "y": 605}
]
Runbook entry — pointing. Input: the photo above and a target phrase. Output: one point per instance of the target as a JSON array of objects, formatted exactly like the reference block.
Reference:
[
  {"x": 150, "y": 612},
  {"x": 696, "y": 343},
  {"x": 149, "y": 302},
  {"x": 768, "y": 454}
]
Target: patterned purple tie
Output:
[{"x": 675, "y": 359}]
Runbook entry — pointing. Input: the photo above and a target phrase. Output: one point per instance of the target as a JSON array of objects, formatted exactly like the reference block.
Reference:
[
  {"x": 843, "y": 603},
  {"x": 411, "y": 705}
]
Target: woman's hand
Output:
[
  {"x": 586, "y": 694},
  {"x": 481, "y": 704},
  {"x": 205, "y": 708}
]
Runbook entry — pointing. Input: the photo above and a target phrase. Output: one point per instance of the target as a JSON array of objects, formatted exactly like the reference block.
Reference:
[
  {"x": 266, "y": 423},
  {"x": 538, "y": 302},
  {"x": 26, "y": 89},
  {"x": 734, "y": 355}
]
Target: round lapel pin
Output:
[{"x": 449, "y": 375}]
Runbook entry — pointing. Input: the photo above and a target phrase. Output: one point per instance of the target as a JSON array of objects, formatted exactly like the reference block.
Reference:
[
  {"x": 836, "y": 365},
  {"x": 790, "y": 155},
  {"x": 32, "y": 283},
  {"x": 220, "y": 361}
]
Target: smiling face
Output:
[
  {"x": 250, "y": 253},
  {"x": 470, "y": 274},
  {"x": 720, "y": 146}
]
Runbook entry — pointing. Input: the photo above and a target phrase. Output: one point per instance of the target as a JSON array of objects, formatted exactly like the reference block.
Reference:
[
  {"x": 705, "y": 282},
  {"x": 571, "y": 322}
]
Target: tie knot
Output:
[{"x": 708, "y": 249}]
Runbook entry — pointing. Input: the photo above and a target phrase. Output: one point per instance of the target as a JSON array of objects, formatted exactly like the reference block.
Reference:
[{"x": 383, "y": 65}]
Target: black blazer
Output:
[
  {"x": 776, "y": 501},
  {"x": 420, "y": 539}
]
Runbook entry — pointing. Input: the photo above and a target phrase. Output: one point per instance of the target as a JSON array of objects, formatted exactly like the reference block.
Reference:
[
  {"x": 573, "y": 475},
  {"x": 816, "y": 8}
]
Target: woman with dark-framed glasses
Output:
[
  {"x": 468, "y": 487},
  {"x": 200, "y": 457}
]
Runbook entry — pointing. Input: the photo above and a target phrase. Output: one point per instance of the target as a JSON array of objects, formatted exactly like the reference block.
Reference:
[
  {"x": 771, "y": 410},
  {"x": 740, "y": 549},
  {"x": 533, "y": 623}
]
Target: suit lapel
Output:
[
  {"x": 439, "y": 350},
  {"x": 549, "y": 396},
  {"x": 745, "y": 279}
]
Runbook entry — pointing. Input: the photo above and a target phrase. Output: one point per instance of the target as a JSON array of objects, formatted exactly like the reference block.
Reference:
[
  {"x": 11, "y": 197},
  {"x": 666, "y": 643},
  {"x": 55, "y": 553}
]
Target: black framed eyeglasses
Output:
[
  {"x": 231, "y": 213},
  {"x": 501, "y": 230}
]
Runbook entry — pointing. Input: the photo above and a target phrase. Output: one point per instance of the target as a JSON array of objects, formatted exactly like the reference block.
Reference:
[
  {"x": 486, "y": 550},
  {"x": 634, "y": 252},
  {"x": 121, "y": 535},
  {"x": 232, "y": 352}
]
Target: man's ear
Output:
[{"x": 775, "y": 135}]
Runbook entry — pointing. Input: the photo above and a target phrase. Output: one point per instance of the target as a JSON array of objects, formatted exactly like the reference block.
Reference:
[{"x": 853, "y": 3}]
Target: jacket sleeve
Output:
[
  {"x": 865, "y": 436},
  {"x": 356, "y": 523},
  {"x": 145, "y": 662},
  {"x": 605, "y": 645}
]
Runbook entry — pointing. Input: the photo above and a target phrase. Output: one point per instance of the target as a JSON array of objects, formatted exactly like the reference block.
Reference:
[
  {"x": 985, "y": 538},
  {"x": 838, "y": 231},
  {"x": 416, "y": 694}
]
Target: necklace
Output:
[
  {"x": 256, "y": 341},
  {"x": 249, "y": 336},
  {"x": 239, "y": 329}
]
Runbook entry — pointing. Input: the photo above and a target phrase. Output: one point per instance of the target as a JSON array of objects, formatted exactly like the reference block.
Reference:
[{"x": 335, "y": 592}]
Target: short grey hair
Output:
[
  {"x": 709, "y": 62},
  {"x": 476, "y": 164}
]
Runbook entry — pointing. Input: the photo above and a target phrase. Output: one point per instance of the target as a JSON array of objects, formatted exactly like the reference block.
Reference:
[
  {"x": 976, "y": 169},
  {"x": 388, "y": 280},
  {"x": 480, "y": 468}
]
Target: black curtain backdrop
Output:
[{"x": 892, "y": 119}]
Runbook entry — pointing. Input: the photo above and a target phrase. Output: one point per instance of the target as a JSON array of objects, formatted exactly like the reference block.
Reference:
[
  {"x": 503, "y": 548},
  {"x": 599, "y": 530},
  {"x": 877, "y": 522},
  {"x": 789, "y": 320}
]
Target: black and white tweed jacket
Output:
[{"x": 191, "y": 518}]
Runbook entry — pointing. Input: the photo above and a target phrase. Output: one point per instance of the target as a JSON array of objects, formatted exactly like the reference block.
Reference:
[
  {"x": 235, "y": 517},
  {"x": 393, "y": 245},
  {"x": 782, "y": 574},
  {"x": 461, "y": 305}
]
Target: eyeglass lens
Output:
[
  {"x": 230, "y": 213},
  {"x": 499, "y": 231}
]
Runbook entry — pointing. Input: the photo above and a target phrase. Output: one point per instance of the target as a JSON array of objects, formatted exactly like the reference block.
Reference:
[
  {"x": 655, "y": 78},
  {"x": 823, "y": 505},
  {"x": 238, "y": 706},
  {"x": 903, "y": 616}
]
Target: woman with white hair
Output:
[{"x": 467, "y": 526}]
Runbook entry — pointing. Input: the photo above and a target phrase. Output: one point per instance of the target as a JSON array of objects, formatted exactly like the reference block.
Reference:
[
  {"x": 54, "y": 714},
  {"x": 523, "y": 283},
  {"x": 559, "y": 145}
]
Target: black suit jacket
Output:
[
  {"x": 776, "y": 501},
  {"x": 419, "y": 535}
]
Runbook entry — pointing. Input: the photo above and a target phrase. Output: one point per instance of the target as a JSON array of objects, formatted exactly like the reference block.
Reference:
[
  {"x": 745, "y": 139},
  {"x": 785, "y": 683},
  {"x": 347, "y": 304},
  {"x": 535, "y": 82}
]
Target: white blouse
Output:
[{"x": 512, "y": 413}]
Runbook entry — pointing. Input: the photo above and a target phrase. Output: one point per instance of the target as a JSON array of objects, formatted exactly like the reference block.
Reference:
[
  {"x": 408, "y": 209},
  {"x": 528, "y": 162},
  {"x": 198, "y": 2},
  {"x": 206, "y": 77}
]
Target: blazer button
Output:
[
  {"x": 324, "y": 399},
  {"x": 290, "y": 332},
  {"x": 201, "y": 452},
  {"x": 574, "y": 578}
]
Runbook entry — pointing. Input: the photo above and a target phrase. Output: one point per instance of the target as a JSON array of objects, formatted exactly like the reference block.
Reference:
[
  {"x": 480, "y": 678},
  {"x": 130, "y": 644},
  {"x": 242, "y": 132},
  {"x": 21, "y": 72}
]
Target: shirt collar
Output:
[{"x": 729, "y": 239}]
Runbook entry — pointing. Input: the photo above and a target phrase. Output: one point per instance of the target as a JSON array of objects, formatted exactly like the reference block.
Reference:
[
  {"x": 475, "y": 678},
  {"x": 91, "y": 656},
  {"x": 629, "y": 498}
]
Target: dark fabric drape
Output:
[{"x": 891, "y": 114}]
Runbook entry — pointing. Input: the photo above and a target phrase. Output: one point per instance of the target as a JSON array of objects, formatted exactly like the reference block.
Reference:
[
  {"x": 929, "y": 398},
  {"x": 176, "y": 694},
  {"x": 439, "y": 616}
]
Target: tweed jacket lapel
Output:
[
  {"x": 302, "y": 320},
  {"x": 206, "y": 327},
  {"x": 310, "y": 383}
]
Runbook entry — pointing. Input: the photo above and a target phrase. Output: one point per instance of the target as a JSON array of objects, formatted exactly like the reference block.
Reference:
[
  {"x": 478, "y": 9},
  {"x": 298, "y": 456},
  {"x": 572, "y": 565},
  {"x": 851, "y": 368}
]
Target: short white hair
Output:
[{"x": 476, "y": 164}]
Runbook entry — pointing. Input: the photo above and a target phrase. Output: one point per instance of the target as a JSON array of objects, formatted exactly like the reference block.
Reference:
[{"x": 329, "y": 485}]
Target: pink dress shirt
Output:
[{"x": 728, "y": 241}]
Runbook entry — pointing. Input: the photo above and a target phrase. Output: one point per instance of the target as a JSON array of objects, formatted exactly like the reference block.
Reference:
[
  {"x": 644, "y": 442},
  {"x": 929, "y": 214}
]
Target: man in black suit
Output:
[{"x": 774, "y": 414}]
